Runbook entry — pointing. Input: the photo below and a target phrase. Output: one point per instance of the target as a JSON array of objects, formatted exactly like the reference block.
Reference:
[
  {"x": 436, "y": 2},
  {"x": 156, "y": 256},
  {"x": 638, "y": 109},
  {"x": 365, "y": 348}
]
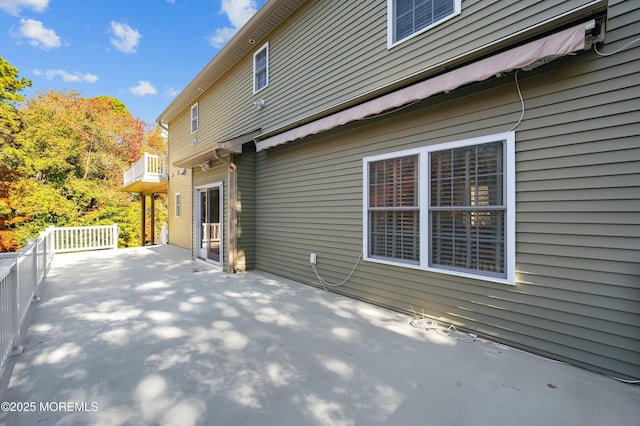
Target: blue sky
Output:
[{"x": 143, "y": 52}]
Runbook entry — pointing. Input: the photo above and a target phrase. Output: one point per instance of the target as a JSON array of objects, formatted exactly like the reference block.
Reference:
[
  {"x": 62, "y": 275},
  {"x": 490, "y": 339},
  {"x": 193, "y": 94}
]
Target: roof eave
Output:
[{"x": 241, "y": 44}]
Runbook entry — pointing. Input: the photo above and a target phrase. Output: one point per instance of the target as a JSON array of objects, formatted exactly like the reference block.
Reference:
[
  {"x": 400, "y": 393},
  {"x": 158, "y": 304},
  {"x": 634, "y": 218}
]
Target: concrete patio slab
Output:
[{"x": 147, "y": 337}]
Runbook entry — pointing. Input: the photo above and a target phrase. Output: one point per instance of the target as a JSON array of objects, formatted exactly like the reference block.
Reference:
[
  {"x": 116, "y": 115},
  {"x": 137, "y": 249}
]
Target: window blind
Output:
[
  {"x": 413, "y": 15},
  {"x": 393, "y": 208},
  {"x": 467, "y": 210}
]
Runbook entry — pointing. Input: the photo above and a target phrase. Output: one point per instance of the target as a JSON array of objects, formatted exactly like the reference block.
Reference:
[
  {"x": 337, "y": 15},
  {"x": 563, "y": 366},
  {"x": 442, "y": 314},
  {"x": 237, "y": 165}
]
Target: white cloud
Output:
[
  {"x": 125, "y": 38},
  {"x": 38, "y": 35},
  {"x": 67, "y": 76},
  {"x": 144, "y": 88},
  {"x": 13, "y": 6},
  {"x": 170, "y": 92},
  {"x": 221, "y": 36},
  {"x": 238, "y": 12}
]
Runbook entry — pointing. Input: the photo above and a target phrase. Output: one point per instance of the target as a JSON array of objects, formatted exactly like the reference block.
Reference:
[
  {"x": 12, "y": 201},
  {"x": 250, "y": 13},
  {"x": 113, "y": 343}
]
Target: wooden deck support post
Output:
[
  {"x": 153, "y": 219},
  {"x": 143, "y": 213}
]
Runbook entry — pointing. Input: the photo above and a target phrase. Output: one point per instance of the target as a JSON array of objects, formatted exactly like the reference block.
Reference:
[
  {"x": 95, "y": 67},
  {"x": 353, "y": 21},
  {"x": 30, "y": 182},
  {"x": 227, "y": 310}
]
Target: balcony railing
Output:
[
  {"x": 150, "y": 168},
  {"x": 22, "y": 272}
]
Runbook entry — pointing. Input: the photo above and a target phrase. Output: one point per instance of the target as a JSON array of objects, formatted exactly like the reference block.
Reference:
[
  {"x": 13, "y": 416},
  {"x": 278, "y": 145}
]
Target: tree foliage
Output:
[
  {"x": 116, "y": 104},
  {"x": 62, "y": 159},
  {"x": 10, "y": 97},
  {"x": 69, "y": 156},
  {"x": 10, "y": 87},
  {"x": 64, "y": 134}
]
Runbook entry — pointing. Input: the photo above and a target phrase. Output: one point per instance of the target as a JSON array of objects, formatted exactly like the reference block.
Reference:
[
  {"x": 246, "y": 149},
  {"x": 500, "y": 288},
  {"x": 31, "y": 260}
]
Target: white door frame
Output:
[{"x": 197, "y": 223}]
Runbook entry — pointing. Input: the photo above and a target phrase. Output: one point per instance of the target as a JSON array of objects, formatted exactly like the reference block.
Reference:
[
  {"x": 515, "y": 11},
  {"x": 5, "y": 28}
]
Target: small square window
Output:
[
  {"x": 194, "y": 118},
  {"x": 410, "y": 17},
  {"x": 261, "y": 68}
]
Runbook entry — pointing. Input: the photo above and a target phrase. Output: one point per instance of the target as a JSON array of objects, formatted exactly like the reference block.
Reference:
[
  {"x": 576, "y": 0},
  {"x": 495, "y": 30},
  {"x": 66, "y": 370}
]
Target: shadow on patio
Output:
[{"x": 146, "y": 336}]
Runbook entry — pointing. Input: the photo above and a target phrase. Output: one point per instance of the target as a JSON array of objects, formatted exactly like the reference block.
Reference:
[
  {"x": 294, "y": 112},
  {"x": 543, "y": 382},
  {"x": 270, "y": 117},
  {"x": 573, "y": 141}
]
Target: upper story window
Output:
[
  {"x": 411, "y": 17},
  {"x": 261, "y": 68},
  {"x": 194, "y": 118},
  {"x": 448, "y": 208}
]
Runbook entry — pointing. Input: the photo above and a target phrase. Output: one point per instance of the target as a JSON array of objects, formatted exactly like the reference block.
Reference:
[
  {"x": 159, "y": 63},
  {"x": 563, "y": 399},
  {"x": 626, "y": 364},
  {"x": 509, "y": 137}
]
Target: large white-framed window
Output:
[
  {"x": 447, "y": 207},
  {"x": 261, "y": 68},
  {"x": 178, "y": 205},
  {"x": 408, "y": 18},
  {"x": 194, "y": 118}
]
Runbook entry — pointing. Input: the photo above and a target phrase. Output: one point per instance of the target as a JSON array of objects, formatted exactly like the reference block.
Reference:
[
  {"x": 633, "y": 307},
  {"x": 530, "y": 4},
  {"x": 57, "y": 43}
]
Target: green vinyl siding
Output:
[
  {"x": 320, "y": 58},
  {"x": 245, "y": 163},
  {"x": 180, "y": 227},
  {"x": 359, "y": 62},
  {"x": 577, "y": 293}
]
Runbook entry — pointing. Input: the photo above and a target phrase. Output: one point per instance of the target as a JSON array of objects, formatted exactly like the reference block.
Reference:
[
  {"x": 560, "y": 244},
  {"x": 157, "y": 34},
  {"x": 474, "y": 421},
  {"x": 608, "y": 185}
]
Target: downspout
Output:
[{"x": 233, "y": 210}]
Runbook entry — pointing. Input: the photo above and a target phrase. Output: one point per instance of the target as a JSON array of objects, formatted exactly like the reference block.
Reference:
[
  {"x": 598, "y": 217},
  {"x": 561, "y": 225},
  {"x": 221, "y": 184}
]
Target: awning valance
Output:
[{"x": 525, "y": 56}]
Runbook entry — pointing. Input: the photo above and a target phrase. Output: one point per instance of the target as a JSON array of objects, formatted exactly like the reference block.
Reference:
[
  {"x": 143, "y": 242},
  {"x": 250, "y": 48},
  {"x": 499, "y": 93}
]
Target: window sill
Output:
[{"x": 411, "y": 265}]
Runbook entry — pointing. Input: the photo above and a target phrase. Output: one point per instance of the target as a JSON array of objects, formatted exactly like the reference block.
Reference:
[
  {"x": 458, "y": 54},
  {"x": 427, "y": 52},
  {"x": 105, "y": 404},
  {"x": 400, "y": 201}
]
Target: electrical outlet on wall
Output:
[{"x": 312, "y": 258}]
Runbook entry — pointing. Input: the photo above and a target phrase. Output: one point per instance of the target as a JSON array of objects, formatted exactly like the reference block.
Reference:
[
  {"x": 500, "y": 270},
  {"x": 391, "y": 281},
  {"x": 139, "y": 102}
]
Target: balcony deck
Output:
[
  {"x": 147, "y": 176},
  {"x": 145, "y": 336}
]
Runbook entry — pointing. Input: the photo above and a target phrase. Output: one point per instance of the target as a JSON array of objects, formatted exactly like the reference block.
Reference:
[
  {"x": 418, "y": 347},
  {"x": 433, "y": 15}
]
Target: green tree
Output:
[
  {"x": 116, "y": 104},
  {"x": 10, "y": 86},
  {"x": 70, "y": 154}
]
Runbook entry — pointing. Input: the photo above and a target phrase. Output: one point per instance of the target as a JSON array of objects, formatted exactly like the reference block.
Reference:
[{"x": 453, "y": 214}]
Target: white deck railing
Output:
[
  {"x": 22, "y": 272},
  {"x": 85, "y": 238},
  {"x": 20, "y": 276},
  {"x": 150, "y": 168}
]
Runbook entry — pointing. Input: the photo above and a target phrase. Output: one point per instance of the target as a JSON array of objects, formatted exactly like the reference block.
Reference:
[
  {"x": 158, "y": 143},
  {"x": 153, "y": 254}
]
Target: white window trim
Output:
[
  {"x": 391, "y": 25},
  {"x": 265, "y": 46},
  {"x": 177, "y": 210},
  {"x": 424, "y": 200},
  {"x": 197, "y": 118}
]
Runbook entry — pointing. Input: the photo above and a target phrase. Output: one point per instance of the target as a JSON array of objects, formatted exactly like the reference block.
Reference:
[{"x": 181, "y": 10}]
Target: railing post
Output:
[
  {"x": 51, "y": 246},
  {"x": 45, "y": 236},
  {"x": 146, "y": 164},
  {"x": 115, "y": 234},
  {"x": 16, "y": 345},
  {"x": 34, "y": 264},
  {"x": 54, "y": 235}
]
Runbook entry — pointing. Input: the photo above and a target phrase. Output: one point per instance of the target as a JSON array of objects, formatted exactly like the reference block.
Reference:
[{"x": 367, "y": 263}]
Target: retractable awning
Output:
[{"x": 525, "y": 56}]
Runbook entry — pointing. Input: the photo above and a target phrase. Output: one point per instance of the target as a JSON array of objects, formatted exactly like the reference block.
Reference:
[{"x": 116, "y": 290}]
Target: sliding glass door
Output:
[{"x": 209, "y": 224}]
